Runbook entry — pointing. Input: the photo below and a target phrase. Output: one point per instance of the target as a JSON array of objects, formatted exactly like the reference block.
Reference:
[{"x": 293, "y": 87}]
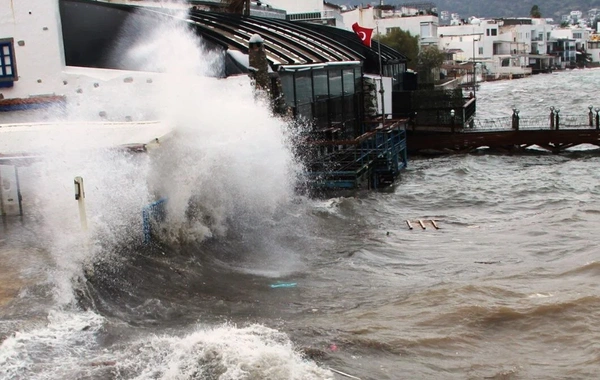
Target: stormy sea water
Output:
[{"x": 254, "y": 281}]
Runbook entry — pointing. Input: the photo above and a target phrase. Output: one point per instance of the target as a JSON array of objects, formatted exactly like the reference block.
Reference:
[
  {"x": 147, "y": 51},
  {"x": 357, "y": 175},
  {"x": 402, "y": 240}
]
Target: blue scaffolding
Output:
[{"x": 374, "y": 160}]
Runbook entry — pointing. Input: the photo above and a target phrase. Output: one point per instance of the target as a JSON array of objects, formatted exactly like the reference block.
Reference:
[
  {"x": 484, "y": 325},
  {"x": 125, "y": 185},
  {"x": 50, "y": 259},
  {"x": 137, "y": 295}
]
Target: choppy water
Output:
[{"x": 507, "y": 288}]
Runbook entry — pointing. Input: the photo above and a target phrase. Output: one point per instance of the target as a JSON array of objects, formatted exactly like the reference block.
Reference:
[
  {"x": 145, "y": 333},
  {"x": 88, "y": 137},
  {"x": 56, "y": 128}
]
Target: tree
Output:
[
  {"x": 535, "y": 12},
  {"x": 429, "y": 59},
  {"x": 405, "y": 43}
]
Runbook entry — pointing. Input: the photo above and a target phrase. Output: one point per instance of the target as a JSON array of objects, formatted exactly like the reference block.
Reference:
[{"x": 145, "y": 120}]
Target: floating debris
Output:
[
  {"x": 344, "y": 374},
  {"x": 422, "y": 223},
  {"x": 284, "y": 285}
]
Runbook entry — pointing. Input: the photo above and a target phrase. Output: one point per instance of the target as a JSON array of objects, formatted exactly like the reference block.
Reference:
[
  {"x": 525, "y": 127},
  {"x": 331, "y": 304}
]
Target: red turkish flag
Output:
[{"x": 363, "y": 33}]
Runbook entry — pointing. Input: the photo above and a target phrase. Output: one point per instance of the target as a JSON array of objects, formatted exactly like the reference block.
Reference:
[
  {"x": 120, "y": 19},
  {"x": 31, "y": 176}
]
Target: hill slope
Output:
[{"x": 499, "y": 8}]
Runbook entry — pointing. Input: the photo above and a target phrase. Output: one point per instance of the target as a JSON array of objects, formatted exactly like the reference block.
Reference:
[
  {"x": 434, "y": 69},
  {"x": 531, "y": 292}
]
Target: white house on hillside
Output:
[{"x": 499, "y": 47}]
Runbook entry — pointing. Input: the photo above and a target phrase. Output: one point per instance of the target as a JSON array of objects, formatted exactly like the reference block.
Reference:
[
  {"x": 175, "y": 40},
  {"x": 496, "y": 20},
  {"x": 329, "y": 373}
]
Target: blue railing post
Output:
[{"x": 153, "y": 211}]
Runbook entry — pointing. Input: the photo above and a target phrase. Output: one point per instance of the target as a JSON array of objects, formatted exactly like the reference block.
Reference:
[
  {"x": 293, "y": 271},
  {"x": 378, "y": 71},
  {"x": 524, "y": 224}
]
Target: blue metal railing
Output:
[
  {"x": 152, "y": 213},
  {"x": 382, "y": 153}
]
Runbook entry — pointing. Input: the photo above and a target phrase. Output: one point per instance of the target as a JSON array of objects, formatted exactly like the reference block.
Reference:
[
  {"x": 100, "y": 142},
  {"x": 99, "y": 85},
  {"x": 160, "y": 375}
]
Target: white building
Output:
[
  {"x": 593, "y": 49},
  {"x": 502, "y": 48},
  {"x": 578, "y": 34},
  {"x": 470, "y": 42},
  {"x": 34, "y": 74},
  {"x": 419, "y": 22},
  {"x": 309, "y": 10}
]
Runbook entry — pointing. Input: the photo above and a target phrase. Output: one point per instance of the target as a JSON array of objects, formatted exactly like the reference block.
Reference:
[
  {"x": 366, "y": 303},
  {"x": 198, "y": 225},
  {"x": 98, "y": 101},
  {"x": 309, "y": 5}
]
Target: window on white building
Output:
[
  {"x": 8, "y": 69},
  {"x": 425, "y": 29},
  {"x": 577, "y": 35},
  {"x": 480, "y": 50}
]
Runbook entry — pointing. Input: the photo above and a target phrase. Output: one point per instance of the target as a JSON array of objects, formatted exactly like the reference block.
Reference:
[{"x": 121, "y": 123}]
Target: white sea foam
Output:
[
  {"x": 67, "y": 347},
  {"x": 225, "y": 352},
  {"x": 57, "y": 350},
  {"x": 228, "y": 159}
]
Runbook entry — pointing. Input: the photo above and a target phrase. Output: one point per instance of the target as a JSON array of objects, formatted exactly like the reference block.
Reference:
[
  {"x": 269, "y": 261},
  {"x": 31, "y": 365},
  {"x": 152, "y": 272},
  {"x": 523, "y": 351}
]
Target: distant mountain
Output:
[{"x": 497, "y": 8}]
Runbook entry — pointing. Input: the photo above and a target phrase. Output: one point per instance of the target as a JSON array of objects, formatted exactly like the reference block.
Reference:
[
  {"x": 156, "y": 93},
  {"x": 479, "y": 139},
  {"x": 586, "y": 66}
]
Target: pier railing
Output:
[
  {"x": 531, "y": 123},
  {"x": 452, "y": 121}
]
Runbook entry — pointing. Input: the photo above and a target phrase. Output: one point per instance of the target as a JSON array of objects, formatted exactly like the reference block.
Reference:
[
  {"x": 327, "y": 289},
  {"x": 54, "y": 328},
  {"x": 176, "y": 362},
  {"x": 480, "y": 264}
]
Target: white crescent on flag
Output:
[{"x": 363, "y": 33}]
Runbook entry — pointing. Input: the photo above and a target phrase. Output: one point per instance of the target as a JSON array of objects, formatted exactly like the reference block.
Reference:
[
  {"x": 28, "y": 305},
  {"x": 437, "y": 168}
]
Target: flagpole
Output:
[{"x": 381, "y": 76}]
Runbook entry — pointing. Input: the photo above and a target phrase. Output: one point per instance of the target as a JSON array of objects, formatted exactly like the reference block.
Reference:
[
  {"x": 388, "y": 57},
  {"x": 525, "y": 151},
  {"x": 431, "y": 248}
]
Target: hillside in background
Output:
[{"x": 498, "y": 8}]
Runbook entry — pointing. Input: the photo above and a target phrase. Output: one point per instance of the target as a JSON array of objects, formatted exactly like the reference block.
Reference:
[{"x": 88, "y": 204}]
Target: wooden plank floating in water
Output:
[{"x": 423, "y": 223}]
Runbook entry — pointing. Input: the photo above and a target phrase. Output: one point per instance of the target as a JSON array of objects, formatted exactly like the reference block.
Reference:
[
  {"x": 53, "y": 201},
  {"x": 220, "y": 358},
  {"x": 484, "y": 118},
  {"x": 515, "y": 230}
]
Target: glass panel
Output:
[
  {"x": 335, "y": 83},
  {"x": 348, "y": 77},
  {"x": 287, "y": 83},
  {"x": 320, "y": 82},
  {"x": 304, "y": 88},
  {"x": 7, "y": 60},
  {"x": 305, "y": 111},
  {"x": 358, "y": 79},
  {"x": 5, "y": 50},
  {"x": 335, "y": 110},
  {"x": 8, "y": 70},
  {"x": 321, "y": 113}
]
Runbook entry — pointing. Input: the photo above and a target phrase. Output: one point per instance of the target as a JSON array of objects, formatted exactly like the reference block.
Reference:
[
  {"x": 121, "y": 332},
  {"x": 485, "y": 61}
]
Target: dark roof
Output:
[
  {"x": 516, "y": 21},
  {"x": 291, "y": 43},
  {"x": 286, "y": 43},
  {"x": 90, "y": 28},
  {"x": 350, "y": 39}
]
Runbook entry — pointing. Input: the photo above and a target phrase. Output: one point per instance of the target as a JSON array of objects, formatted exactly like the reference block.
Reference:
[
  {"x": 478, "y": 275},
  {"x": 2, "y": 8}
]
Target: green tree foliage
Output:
[
  {"x": 535, "y": 12},
  {"x": 429, "y": 59},
  {"x": 405, "y": 43}
]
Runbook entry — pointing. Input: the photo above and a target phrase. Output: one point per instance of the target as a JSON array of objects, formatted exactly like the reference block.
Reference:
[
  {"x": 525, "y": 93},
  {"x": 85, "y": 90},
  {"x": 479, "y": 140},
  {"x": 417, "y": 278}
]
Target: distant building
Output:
[
  {"x": 502, "y": 47},
  {"x": 318, "y": 11},
  {"x": 419, "y": 21},
  {"x": 569, "y": 43}
]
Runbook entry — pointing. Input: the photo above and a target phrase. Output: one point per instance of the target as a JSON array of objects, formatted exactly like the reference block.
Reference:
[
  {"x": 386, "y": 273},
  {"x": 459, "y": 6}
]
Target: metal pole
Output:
[
  {"x": 80, "y": 198},
  {"x": 474, "y": 70},
  {"x": 381, "y": 76}
]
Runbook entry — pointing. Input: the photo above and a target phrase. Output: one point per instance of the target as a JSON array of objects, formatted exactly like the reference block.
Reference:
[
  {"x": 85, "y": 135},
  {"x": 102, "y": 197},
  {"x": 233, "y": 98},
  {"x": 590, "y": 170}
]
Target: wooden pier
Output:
[{"x": 555, "y": 134}]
